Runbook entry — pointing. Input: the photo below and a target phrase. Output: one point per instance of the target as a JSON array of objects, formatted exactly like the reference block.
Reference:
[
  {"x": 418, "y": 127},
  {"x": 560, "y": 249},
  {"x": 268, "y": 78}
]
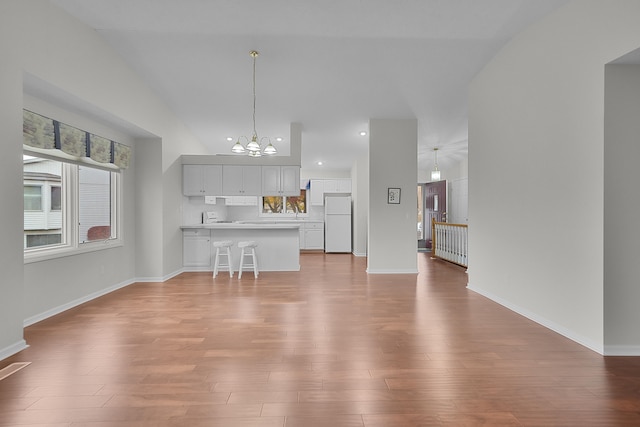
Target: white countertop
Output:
[
  {"x": 279, "y": 221},
  {"x": 244, "y": 226}
]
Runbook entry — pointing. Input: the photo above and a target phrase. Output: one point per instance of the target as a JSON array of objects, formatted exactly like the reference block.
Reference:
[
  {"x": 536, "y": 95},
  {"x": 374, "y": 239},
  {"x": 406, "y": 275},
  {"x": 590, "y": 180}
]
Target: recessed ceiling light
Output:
[
  {"x": 279, "y": 139},
  {"x": 319, "y": 163},
  {"x": 363, "y": 133},
  {"x": 229, "y": 139}
]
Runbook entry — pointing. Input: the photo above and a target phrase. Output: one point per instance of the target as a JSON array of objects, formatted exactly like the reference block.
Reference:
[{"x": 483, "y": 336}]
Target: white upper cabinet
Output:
[
  {"x": 241, "y": 180},
  {"x": 340, "y": 185},
  {"x": 202, "y": 180},
  {"x": 317, "y": 192},
  {"x": 320, "y": 187},
  {"x": 280, "y": 180},
  {"x": 290, "y": 182}
]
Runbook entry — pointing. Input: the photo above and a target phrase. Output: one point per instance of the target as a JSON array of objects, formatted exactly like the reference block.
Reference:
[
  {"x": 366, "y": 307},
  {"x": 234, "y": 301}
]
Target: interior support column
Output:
[{"x": 392, "y": 241}]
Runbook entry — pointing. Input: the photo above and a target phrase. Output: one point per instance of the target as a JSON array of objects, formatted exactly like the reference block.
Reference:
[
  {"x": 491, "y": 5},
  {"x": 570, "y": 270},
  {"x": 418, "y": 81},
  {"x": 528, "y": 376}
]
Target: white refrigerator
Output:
[{"x": 337, "y": 224}]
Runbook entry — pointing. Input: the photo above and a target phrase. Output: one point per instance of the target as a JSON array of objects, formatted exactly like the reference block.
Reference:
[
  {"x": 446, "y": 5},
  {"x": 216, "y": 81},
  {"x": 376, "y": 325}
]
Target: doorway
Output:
[{"x": 432, "y": 204}]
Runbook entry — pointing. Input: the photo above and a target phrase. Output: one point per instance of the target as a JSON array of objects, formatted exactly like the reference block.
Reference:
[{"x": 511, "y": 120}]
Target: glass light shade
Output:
[
  {"x": 238, "y": 148},
  {"x": 253, "y": 145},
  {"x": 435, "y": 175},
  {"x": 270, "y": 149}
]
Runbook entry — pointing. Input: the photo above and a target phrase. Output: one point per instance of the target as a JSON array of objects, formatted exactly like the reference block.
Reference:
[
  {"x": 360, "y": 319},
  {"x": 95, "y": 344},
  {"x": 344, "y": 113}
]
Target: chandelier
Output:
[{"x": 254, "y": 148}]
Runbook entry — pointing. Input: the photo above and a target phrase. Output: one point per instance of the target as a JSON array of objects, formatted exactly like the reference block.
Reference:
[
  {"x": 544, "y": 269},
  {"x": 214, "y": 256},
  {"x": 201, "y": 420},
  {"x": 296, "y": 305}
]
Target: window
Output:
[
  {"x": 56, "y": 198},
  {"x": 82, "y": 208},
  {"x": 94, "y": 204},
  {"x": 297, "y": 204},
  {"x": 32, "y": 197},
  {"x": 34, "y": 240},
  {"x": 291, "y": 205}
]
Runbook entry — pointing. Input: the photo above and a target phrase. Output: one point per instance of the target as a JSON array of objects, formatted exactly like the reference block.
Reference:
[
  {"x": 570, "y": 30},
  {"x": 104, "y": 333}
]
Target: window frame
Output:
[{"x": 71, "y": 244}]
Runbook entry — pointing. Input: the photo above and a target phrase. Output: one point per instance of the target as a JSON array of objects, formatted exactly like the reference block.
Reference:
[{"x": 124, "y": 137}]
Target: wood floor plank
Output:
[
  {"x": 326, "y": 346},
  {"x": 324, "y": 421}
]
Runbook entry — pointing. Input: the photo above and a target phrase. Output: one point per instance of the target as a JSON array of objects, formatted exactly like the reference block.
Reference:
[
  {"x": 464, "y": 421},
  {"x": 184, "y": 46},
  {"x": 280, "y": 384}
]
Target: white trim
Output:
[
  {"x": 198, "y": 269},
  {"x": 13, "y": 349},
  {"x": 60, "y": 156},
  {"x": 541, "y": 320},
  {"x": 64, "y": 307},
  {"x": 622, "y": 350},
  {"x": 64, "y": 251},
  {"x": 369, "y": 271},
  {"x": 159, "y": 279},
  {"x": 360, "y": 254}
]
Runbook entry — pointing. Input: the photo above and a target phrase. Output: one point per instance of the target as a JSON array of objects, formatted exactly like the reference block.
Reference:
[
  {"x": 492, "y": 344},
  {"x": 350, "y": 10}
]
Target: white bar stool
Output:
[
  {"x": 220, "y": 246},
  {"x": 248, "y": 250}
]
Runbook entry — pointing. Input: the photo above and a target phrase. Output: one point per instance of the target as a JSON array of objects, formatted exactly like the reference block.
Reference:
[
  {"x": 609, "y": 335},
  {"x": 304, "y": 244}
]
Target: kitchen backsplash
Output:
[{"x": 193, "y": 207}]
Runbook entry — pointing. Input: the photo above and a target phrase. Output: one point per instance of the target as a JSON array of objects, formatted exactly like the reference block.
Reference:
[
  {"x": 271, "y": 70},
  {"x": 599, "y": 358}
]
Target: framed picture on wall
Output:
[{"x": 393, "y": 196}]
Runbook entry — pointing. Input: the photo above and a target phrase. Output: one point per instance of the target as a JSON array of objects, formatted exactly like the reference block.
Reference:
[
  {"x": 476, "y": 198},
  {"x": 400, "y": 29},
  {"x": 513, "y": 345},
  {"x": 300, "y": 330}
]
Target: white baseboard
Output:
[
  {"x": 541, "y": 320},
  {"x": 13, "y": 349},
  {"x": 160, "y": 279},
  {"x": 360, "y": 254},
  {"x": 197, "y": 269},
  {"x": 369, "y": 271},
  {"x": 622, "y": 350},
  {"x": 64, "y": 307}
]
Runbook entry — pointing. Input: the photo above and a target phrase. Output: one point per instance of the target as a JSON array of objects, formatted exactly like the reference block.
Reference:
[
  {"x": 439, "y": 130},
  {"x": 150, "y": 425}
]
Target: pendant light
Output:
[
  {"x": 435, "y": 174},
  {"x": 254, "y": 147}
]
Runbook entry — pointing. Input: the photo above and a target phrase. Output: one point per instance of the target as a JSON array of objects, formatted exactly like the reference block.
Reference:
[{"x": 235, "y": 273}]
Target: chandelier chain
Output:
[{"x": 254, "y": 54}]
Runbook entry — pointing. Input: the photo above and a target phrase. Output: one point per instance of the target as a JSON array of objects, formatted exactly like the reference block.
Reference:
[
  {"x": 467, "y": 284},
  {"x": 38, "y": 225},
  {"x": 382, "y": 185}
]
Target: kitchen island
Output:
[{"x": 278, "y": 244}]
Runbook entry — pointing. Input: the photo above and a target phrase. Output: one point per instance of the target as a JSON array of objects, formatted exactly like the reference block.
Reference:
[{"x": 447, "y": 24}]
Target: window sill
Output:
[
  {"x": 277, "y": 216},
  {"x": 66, "y": 251}
]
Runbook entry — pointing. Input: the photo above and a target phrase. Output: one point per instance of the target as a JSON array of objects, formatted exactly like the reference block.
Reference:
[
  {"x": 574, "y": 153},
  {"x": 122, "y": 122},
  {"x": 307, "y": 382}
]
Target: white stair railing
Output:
[{"x": 450, "y": 242}]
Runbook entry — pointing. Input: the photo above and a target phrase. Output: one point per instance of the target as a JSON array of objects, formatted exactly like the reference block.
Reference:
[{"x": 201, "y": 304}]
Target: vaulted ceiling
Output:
[{"x": 329, "y": 65}]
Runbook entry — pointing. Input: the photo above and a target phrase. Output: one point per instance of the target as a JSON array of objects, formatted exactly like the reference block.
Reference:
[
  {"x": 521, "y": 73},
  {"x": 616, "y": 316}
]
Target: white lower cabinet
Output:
[
  {"x": 196, "y": 248},
  {"x": 312, "y": 235}
]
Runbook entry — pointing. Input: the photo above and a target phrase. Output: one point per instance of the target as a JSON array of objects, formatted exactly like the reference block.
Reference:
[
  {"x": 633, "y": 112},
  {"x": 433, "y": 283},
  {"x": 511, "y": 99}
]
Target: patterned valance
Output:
[{"x": 44, "y": 133}]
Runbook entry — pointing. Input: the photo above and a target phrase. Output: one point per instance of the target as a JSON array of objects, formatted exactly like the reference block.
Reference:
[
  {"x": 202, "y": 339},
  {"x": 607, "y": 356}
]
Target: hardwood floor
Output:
[{"x": 326, "y": 346}]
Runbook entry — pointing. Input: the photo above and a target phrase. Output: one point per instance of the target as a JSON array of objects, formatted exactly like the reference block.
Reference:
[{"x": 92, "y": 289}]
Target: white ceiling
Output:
[{"x": 330, "y": 65}]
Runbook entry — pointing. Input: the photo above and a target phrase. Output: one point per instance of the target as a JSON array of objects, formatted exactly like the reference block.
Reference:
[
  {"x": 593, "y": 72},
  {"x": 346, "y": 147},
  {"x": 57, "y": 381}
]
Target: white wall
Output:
[
  {"x": 38, "y": 39},
  {"x": 621, "y": 207},
  {"x": 360, "y": 194},
  {"x": 392, "y": 243},
  {"x": 536, "y": 167},
  {"x": 457, "y": 201},
  {"x": 324, "y": 173},
  {"x": 148, "y": 174},
  {"x": 11, "y": 215}
]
